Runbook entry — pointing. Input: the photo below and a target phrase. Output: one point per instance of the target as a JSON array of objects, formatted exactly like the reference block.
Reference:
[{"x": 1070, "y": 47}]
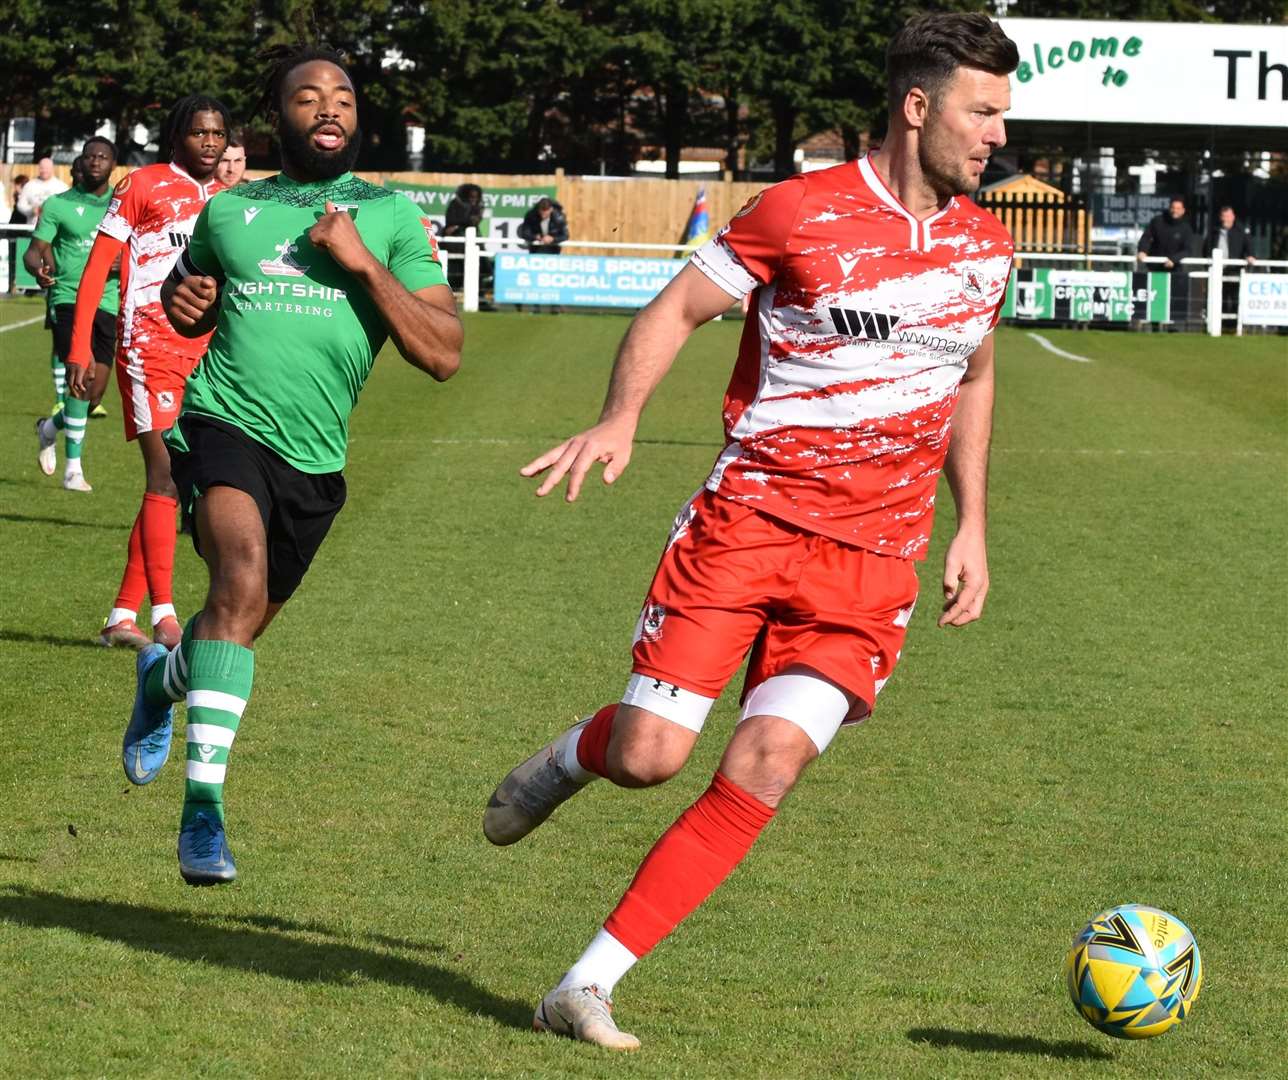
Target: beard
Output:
[
  {"x": 942, "y": 169},
  {"x": 317, "y": 164}
]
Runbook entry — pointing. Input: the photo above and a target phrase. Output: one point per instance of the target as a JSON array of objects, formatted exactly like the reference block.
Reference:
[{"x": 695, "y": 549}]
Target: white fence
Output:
[{"x": 464, "y": 260}]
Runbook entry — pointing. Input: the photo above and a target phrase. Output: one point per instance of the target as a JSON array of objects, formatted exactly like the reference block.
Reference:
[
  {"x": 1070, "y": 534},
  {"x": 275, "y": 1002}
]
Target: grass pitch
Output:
[{"x": 1111, "y": 732}]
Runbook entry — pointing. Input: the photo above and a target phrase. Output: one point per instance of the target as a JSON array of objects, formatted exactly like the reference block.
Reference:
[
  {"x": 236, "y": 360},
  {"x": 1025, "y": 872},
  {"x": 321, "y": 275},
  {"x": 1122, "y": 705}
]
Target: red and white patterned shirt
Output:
[
  {"x": 153, "y": 210},
  {"x": 863, "y": 318}
]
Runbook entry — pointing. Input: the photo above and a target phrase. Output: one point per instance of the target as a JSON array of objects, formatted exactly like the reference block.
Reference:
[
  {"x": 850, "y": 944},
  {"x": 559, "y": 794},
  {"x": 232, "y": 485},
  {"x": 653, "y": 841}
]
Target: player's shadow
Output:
[
  {"x": 42, "y": 519},
  {"x": 24, "y": 638},
  {"x": 264, "y": 945},
  {"x": 990, "y": 1042}
]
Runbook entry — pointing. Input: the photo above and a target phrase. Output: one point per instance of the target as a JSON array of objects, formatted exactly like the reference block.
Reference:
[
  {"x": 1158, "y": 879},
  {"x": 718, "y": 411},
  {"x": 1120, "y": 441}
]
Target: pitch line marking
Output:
[
  {"x": 20, "y": 325},
  {"x": 1059, "y": 352}
]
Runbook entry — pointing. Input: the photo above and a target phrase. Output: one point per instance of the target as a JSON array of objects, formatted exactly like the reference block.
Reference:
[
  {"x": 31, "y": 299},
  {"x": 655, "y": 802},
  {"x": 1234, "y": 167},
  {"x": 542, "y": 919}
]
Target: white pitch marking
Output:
[
  {"x": 1059, "y": 352},
  {"x": 20, "y": 325}
]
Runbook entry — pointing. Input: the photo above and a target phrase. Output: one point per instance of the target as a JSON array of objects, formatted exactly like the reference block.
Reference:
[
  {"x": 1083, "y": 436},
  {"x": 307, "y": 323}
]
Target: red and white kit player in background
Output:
[
  {"x": 152, "y": 211},
  {"x": 875, "y": 288}
]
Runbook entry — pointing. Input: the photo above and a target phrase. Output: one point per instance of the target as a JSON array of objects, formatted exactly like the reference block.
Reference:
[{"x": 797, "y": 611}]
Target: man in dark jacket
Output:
[
  {"x": 544, "y": 227},
  {"x": 1228, "y": 236},
  {"x": 1169, "y": 235},
  {"x": 464, "y": 210}
]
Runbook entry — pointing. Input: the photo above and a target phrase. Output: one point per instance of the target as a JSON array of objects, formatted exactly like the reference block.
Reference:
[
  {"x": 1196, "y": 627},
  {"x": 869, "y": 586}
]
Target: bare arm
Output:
[
  {"x": 191, "y": 303},
  {"x": 39, "y": 261},
  {"x": 423, "y": 324},
  {"x": 966, "y": 563},
  {"x": 643, "y": 358}
]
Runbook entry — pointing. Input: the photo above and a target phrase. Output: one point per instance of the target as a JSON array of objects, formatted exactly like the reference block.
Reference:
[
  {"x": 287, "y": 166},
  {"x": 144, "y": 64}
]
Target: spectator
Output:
[
  {"x": 1169, "y": 235},
  {"x": 1229, "y": 238},
  {"x": 38, "y": 190},
  {"x": 231, "y": 169},
  {"x": 465, "y": 210},
  {"x": 16, "y": 217},
  {"x": 544, "y": 228}
]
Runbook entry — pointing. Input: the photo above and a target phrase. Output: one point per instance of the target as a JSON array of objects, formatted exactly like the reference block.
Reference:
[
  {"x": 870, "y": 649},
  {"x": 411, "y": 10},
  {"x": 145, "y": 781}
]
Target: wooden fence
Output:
[{"x": 1039, "y": 221}]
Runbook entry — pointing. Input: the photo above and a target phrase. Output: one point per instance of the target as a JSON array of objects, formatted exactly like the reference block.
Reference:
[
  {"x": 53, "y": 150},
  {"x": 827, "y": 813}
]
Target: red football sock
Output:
[
  {"x": 157, "y": 516},
  {"x": 592, "y": 744},
  {"x": 134, "y": 582},
  {"x": 693, "y": 856}
]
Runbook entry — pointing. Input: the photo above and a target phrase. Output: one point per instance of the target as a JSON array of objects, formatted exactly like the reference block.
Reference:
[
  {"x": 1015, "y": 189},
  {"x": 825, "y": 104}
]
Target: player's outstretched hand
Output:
[
  {"x": 192, "y": 298},
  {"x": 965, "y": 579},
  {"x": 609, "y": 442},
  {"x": 336, "y": 234}
]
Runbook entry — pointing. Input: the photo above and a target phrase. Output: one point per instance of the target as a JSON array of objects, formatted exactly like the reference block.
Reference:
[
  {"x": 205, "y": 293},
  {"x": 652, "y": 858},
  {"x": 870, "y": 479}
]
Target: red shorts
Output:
[
  {"x": 733, "y": 579},
  {"x": 151, "y": 386}
]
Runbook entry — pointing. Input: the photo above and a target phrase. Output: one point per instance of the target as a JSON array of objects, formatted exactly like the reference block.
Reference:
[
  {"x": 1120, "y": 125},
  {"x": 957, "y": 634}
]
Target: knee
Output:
[
  {"x": 639, "y": 762},
  {"x": 237, "y": 604}
]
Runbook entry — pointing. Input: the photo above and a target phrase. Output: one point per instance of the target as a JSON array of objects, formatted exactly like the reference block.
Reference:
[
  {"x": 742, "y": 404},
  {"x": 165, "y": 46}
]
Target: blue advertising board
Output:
[{"x": 580, "y": 280}]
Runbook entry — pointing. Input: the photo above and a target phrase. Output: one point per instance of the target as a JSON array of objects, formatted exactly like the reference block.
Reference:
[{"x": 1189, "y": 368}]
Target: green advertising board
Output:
[
  {"x": 1058, "y": 295},
  {"x": 503, "y": 208}
]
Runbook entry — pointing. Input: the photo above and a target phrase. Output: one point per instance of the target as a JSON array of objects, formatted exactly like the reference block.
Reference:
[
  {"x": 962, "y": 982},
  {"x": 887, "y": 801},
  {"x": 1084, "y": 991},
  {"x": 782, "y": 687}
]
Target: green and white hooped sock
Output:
[
  {"x": 73, "y": 419},
  {"x": 168, "y": 680},
  {"x": 220, "y": 674},
  {"x": 59, "y": 372}
]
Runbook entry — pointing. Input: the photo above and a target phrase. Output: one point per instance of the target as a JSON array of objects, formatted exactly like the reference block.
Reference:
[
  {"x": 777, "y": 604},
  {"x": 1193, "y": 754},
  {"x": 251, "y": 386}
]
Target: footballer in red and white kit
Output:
[
  {"x": 865, "y": 370},
  {"x": 152, "y": 212},
  {"x": 148, "y": 224}
]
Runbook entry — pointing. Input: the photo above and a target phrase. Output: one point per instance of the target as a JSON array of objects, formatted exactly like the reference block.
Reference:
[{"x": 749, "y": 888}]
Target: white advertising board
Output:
[
  {"x": 1149, "y": 73},
  {"x": 1263, "y": 299}
]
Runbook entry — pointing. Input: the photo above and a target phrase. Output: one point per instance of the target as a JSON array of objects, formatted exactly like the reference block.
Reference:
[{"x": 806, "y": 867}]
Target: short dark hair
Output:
[
  {"x": 1176, "y": 198},
  {"x": 180, "y": 117},
  {"x": 282, "y": 60},
  {"x": 545, "y": 203},
  {"x": 111, "y": 146},
  {"x": 234, "y": 139},
  {"x": 928, "y": 48},
  {"x": 1224, "y": 207}
]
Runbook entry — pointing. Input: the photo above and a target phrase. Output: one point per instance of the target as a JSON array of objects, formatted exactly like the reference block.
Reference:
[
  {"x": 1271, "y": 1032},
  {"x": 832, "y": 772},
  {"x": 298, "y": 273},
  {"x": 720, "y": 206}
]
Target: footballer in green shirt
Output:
[
  {"x": 56, "y": 258},
  {"x": 302, "y": 277}
]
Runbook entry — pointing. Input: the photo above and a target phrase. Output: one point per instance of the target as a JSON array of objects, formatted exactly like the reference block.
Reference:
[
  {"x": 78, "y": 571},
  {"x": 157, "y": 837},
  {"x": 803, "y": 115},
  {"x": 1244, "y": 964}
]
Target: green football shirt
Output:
[
  {"x": 296, "y": 336},
  {"x": 68, "y": 222}
]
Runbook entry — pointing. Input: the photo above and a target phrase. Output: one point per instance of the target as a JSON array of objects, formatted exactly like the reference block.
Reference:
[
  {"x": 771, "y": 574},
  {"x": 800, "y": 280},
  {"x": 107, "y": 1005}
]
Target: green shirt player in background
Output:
[
  {"x": 56, "y": 258},
  {"x": 302, "y": 276}
]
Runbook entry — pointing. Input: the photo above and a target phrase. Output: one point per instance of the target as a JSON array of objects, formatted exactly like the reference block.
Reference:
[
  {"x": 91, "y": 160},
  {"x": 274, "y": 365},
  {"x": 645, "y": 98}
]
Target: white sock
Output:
[
  {"x": 566, "y": 748},
  {"x": 119, "y": 614},
  {"x": 604, "y": 962},
  {"x": 73, "y": 468},
  {"x": 161, "y": 611}
]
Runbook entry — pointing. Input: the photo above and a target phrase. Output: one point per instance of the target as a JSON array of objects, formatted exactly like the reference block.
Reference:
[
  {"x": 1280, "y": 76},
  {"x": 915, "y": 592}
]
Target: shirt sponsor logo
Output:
[
  {"x": 178, "y": 239},
  {"x": 847, "y": 264},
  {"x": 872, "y": 325},
  {"x": 80, "y": 211},
  {"x": 248, "y": 215},
  {"x": 285, "y": 265},
  {"x": 114, "y": 206}
]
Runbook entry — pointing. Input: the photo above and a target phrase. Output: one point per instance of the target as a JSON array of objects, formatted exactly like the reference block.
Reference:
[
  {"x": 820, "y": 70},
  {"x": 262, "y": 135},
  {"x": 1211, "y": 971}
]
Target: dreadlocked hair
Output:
[
  {"x": 179, "y": 119},
  {"x": 282, "y": 60}
]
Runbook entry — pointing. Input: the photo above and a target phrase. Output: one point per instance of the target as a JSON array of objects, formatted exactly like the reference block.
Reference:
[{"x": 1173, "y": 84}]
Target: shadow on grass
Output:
[
  {"x": 37, "y": 519},
  {"x": 48, "y": 639},
  {"x": 261, "y": 944},
  {"x": 15, "y": 858},
  {"x": 992, "y": 1043}
]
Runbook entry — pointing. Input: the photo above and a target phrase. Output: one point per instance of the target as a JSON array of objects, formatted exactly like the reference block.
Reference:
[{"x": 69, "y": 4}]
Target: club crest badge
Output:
[{"x": 973, "y": 285}]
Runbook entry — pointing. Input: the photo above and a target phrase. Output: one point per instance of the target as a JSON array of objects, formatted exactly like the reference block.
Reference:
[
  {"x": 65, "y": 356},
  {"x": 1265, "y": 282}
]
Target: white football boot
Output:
[
  {"x": 584, "y": 1013},
  {"x": 529, "y": 794}
]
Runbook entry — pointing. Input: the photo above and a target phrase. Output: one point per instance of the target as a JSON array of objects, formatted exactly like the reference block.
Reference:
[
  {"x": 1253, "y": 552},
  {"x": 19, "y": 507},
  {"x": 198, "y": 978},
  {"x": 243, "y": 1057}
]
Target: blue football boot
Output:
[
  {"x": 147, "y": 739},
  {"x": 204, "y": 858}
]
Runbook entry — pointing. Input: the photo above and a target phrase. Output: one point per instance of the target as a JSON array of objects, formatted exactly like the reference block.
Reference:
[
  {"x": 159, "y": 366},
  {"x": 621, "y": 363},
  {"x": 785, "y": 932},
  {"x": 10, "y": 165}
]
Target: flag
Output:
[{"x": 698, "y": 230}]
